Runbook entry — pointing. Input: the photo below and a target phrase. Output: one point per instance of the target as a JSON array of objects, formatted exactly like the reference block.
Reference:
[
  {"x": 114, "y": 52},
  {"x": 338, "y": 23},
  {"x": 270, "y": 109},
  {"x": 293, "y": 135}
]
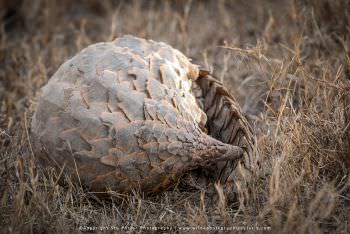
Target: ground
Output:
[{"x": 286, "y": 62}]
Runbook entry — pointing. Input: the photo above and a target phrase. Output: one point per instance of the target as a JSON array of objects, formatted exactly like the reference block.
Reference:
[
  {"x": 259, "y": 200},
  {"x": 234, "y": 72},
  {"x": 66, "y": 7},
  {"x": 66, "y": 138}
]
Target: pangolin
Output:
[{"x": 137, "y": 114}]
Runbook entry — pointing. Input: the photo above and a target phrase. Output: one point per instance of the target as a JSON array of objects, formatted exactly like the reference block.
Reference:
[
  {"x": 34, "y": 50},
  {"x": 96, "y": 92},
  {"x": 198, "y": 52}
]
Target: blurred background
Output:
[
  {"x": 47, "y": 32},
  {"x": 287, "y": 62}
]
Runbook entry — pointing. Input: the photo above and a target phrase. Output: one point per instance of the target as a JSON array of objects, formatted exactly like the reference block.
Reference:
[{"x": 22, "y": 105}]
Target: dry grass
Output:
[{"x": 287, "y": 62}]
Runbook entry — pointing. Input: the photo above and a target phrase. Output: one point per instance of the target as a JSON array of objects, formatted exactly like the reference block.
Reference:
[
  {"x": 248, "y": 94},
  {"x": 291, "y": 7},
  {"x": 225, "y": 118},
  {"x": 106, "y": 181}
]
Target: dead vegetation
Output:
[{"x": 287, "y": 62}]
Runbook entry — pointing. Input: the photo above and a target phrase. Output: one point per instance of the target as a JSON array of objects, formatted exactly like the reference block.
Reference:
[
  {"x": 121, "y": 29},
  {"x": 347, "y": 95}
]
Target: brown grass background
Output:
[{"x": 287, "y": 62}]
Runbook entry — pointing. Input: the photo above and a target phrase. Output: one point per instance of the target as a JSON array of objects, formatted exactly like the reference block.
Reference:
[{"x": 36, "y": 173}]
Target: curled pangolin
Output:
[{"x": 137, "y": 114}]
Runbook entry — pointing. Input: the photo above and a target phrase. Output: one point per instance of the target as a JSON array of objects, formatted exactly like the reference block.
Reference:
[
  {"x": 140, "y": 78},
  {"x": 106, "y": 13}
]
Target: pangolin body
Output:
[{"x": 134, "y": 114}]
